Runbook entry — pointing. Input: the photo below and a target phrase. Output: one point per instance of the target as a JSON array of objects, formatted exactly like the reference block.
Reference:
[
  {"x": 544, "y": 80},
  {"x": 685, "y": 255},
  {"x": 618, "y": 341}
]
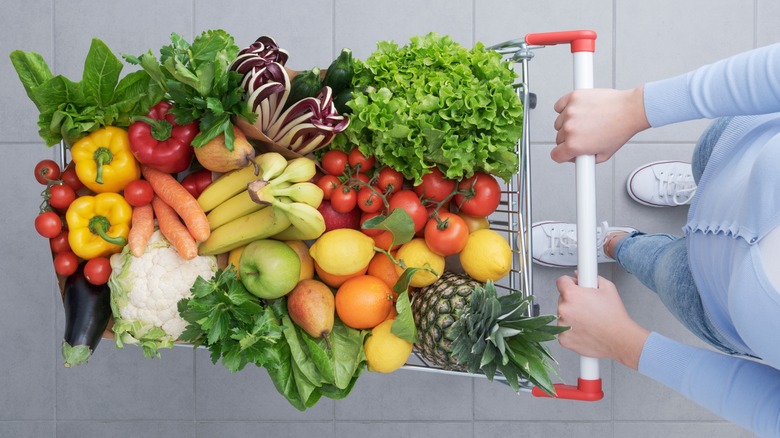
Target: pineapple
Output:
[{"x": 465, "y": 326}]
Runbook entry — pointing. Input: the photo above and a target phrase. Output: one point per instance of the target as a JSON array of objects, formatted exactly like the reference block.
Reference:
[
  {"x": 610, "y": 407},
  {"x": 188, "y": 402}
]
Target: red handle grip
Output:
[{"x": 580, "y": 40}]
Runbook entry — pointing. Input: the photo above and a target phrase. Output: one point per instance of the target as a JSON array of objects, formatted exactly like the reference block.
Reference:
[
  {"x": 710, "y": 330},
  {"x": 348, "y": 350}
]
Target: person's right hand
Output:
[{"x": 597, "y": 122}]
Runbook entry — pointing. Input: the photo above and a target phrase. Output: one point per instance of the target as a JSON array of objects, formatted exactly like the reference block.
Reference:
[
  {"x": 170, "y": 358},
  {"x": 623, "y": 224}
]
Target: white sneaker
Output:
[
  {"x": 555, "y": 243},
  {"x": 662, "y": 184}
]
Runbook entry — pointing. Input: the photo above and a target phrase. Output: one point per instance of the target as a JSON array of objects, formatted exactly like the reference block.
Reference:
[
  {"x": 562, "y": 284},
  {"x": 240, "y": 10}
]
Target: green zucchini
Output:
[
  {"x": 340, "y": 72},
  {"x": 340, "y": 101},
  {"x": 306, "y": 84}
]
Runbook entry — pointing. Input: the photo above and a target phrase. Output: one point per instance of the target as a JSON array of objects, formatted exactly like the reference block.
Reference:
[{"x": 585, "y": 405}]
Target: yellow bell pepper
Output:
[
  {"x": 98, "y": 225},
  {"x": 104, "y": 160}
]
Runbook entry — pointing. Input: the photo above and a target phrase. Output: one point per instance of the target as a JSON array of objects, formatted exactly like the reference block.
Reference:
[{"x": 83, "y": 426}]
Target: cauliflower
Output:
[{"x": 145, "y": 292}]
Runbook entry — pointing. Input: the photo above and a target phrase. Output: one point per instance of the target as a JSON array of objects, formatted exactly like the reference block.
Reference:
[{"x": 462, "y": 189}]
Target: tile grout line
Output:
[
  {"x": 54, "y": 306},
  {"x": 614, "y": 199}
]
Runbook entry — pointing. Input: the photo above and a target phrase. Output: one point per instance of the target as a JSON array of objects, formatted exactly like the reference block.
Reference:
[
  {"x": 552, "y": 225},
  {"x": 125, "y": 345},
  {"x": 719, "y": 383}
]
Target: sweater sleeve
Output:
[
  {"x": 744, "y": 84},
  {"x": 740, "y": 390}
]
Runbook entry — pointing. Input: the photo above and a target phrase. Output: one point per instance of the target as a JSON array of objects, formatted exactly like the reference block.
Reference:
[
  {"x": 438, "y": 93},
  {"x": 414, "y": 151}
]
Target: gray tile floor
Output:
[{"x": 183, "y": 394}]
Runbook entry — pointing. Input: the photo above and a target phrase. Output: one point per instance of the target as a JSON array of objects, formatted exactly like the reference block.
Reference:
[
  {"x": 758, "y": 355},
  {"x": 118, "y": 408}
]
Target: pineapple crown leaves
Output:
[{"x": 494, "y": 334}]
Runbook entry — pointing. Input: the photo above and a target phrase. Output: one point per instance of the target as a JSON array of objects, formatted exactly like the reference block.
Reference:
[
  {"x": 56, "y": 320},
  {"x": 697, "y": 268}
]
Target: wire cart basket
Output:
[{"x": 513, "y": 217}]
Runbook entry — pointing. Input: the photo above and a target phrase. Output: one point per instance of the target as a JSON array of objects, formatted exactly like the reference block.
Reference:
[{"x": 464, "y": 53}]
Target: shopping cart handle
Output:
[
  {"x": 586, "y": 390},
  {"x": 580, "y": 40}
]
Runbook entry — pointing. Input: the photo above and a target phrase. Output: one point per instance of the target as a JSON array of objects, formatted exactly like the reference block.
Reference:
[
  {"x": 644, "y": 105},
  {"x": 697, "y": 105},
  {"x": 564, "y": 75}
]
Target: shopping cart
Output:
[{"x": 514, "y": 215}]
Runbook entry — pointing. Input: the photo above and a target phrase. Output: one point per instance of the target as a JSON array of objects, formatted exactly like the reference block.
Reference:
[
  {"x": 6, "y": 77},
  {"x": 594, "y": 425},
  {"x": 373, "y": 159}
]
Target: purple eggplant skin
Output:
[{"x": 87, "y": 312}]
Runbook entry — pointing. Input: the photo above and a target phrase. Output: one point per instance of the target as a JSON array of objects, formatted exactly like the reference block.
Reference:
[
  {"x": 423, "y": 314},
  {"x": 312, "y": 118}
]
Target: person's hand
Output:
[
  {"x": 597, "y": 122},
  {"x": 600, "y": 325}
]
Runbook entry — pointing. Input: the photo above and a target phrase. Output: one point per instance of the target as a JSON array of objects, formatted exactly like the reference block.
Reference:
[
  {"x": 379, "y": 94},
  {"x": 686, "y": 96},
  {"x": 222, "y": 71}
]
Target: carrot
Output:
[
  {"x": 173, "y": 230},
  {"x": 175, "y": 195},
  {"x": 141, "y": 229}
]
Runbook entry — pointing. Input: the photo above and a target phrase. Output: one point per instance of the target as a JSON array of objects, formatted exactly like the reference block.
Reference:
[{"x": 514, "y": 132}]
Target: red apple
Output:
[{"x": 335, "y": 220}]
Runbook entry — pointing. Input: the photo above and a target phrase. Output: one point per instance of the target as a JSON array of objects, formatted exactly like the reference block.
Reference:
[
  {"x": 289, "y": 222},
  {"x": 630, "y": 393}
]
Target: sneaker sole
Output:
[{"x": 633, "y": 174}]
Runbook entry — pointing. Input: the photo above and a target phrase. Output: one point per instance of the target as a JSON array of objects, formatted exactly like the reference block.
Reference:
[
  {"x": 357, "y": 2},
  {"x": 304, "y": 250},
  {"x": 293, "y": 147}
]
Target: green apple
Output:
[{"x": 269, "y": 268}]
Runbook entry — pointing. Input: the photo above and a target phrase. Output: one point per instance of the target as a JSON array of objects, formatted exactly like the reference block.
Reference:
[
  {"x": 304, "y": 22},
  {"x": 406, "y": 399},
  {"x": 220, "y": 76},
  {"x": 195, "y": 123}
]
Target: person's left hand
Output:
[{"x": 600, "y": 324}]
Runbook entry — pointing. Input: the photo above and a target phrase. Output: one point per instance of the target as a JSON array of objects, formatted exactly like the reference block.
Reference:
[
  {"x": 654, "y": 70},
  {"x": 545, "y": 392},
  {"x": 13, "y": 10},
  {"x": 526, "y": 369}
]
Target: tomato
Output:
[
  {"x": 139, "y": 193},
  {"x": 360, "y": 180},
  {"x": 447, "y": 234},
  {"x": 48, "y": 224},
  {"x": 61, "y": 195},
  {"x": 59, "y": 243},
  {"x": 334, "y": 162},
  {"x": 70, "y": 178},
  {"x": 65, "y": 263},
  {"x": 328, "y": 183},
  {"x": 408, "y": 200},
  {"x": 360, "y": 162},
  {"x": 196, "y": 182},
  {"x": 435, "y": 186},
  {"x": 343, "y": 198},
  {"x": 369, "y": 201},
  {"x": 97, "y": 270},
  {"x": 480, "y": 195},
  {"x": 389, "y": 180},
  {"x": 474, "y": 223},
  {"x": 47, "y": 170},
  {"x": 371, "y": 232}
]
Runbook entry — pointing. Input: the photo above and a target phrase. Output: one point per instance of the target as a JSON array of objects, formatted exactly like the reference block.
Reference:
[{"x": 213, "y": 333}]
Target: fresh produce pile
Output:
[{"x": 316, "y": 223}]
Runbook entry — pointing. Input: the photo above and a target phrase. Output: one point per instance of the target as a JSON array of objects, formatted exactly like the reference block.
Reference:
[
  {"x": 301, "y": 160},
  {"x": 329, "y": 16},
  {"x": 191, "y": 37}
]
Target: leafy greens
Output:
[
  {"x": 435, "y": 103},
  {"x": 71, "y": 110}
]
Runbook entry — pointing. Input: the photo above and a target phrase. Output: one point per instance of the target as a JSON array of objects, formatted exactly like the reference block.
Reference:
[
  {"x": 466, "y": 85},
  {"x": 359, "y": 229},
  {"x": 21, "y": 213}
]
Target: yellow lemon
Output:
[
  {"x": 343, "y": 251},
  {"x": 307, "y": 263},
  {"x": 386, "y": 352},
  {"x": 416, "y": 254},
  {"x": 487, "y": 256}
]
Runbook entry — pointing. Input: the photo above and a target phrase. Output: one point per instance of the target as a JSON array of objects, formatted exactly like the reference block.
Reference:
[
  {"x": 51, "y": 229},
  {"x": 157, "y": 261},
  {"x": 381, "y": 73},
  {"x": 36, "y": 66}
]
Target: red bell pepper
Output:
[
  {"x": 196, "y": 182},
  {"x": 159, "y": 142}
]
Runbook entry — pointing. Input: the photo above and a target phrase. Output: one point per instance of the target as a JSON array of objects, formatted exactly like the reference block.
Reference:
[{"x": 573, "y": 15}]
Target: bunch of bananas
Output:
[{"x": 273, "y": 199}]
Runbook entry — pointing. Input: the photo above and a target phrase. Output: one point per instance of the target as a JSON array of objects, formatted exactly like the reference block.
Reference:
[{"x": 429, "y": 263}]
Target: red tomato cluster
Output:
[{"x": 444, "y": 211}]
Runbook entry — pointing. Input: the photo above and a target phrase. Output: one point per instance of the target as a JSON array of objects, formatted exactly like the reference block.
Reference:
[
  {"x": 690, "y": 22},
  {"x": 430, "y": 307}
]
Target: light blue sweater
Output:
[{"x": 737, "y": 203}]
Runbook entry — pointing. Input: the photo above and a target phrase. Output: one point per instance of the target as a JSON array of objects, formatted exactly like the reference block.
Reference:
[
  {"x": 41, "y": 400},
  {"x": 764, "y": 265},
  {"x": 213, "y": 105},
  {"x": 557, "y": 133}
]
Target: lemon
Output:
[
  {"x": 416, "y": 254},
  {"x": 343, "y": 251},
  {"x": 386, "y": 352},
  {"x": 487, "y": 256}
]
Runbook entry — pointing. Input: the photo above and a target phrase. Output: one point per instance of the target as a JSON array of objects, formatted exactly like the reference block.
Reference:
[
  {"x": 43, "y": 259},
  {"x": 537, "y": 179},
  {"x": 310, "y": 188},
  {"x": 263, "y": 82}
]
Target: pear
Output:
[
  {"x": 216, "y": 157},
  {"x": 312, "y": 307}
]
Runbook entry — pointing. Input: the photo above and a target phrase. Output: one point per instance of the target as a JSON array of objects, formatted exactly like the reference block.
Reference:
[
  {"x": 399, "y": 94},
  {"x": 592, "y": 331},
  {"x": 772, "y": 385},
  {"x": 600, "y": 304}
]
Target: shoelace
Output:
[
  {"x": 677, "y": 186},
  {"x": 565, "y": 240}
]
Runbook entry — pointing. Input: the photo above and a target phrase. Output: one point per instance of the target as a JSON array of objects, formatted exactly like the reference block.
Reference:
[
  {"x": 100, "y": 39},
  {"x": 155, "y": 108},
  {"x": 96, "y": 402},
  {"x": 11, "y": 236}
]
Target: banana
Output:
[
  {"x": 306, "y": 192},
  {"x": 268, "y": 166},
  {"x": 298, "y": 170},
  {"x": 306, "y": 219},
  {"x": 239, "y": 205},
  {"x": 261, "y": 224}
]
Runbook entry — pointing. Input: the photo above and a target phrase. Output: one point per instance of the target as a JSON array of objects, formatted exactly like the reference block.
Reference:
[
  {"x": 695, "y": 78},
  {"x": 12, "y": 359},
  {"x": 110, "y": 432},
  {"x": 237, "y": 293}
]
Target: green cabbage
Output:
[{"x": 434, "y": 102}]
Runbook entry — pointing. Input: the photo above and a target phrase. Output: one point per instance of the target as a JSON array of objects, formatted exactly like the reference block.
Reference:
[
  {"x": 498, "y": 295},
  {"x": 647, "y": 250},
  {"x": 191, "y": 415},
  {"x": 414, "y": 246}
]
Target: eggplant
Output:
[{"x": 87, "y": 312}]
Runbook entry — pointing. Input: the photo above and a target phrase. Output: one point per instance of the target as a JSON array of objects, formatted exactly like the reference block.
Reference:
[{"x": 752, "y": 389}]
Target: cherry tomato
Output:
[
  {"x": 361, "y": 180},
  {"x": 70, "y": 178},
  {"x": 139, "y": 193},
  {"x": 389, "y": 180},
  {"x": 447, "y": 234},
  {"x": 61, "y": 195},
  {"x": 48, "y": 224},
  {"x": 360, "y": 162},
  {"x": 408, "y": 200},
  {"x": 343, "y": 199},
  {"x": 473, "y": 222},
  {"x": 334, "y": 162},
  {"x": 371, "y": 232},
  {"x": 47, "y": 170},
  {"x": 196, "y": 182},
  {"x": 65, "y": 263},
  {"x": 369, "y": 201},
  {"x": 97, "y": 270},
  {"x": 59, "y": 243},
  {"x": 435, "y": 186},
  {"x": 328, "y": 183},
  {"x": 483, "y": 194}
]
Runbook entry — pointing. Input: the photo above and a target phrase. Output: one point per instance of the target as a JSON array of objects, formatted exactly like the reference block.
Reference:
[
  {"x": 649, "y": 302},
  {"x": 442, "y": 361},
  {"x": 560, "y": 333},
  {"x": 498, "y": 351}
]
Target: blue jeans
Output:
[{"x": 660, "y": 261}]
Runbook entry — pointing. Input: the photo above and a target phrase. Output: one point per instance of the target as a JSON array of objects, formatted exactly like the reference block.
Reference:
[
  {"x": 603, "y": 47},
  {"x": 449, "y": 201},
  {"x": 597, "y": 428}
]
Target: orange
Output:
[
  {"x": 335, "y": 280},
  {"x": 383, "y": 268},
  {"x": 363, "y": 302},
  {"x": 384, "y": 240}
]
